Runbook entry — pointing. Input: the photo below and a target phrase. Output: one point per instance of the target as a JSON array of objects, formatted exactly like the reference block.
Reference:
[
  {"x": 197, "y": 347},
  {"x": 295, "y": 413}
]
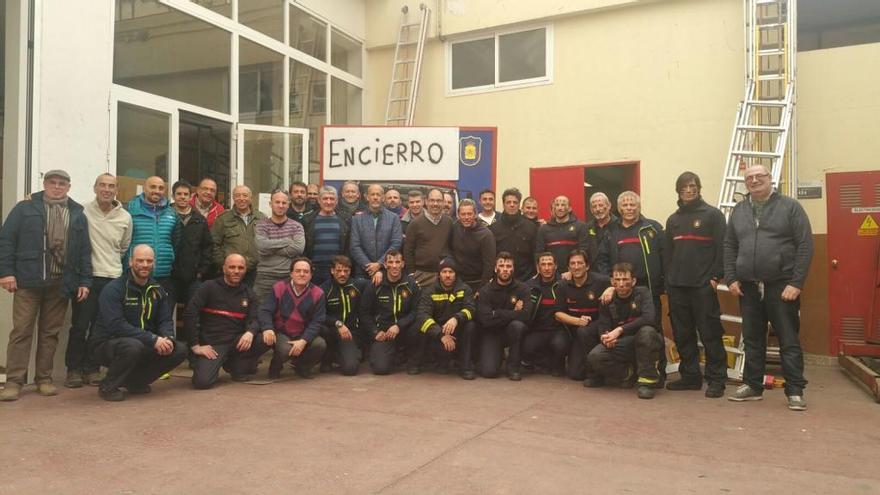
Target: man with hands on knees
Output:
[
  {"x": 291, "y": 317},
  {"x": 220, "y": 321},
  {"x": 133, "y": 337},
  {"x": 579, "y": 301},
  {"x": 343, "y": 295}
]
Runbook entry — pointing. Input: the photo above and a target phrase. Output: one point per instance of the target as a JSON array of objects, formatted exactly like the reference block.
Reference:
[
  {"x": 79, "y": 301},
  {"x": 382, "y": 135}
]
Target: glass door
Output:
[{"x": 269, "y": 158}]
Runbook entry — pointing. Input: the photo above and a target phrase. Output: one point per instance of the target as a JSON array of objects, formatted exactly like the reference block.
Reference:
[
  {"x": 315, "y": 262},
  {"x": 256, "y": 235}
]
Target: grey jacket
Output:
[
  {"x": 778, "y": 248},
  {"x": 369, "y": 243}
]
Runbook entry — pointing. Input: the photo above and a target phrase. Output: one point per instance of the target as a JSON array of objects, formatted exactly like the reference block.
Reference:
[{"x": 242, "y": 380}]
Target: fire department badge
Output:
[
  {"x": 651, "y": 234},
  {"x": 590, "y": 295},
  {"x": 352, "y": 292},
  {"x": 697, "y": 223},
  {"x": 571, "y": 228},
  {"x": 244, "y": 303},
  {"x": 633, "y": 306},
  {"x": 404, "y": 293}
]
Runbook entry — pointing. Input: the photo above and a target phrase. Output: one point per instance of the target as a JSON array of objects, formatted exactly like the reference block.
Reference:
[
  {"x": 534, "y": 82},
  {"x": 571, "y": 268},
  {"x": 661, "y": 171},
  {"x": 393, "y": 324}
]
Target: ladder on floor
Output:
[
  {"x": 764, "y": 132},
  {"x": 406, "y": 67}
]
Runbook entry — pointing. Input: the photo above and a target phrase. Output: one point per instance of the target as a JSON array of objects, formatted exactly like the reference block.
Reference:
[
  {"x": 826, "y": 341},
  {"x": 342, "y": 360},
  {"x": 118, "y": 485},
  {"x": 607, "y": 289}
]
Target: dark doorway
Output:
[
  {"x": 611, "y": 179},
  {"x": 204, "y": 151}
]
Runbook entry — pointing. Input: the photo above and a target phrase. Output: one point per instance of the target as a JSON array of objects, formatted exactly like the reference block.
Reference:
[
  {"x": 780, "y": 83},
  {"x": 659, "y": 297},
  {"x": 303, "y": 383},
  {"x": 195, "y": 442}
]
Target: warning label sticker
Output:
[{"x": 869, "y": 227}]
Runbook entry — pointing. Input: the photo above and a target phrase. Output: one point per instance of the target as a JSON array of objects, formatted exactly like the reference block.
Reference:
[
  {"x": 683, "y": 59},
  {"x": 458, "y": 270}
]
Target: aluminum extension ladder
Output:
[{"x": 406, "y": 67}]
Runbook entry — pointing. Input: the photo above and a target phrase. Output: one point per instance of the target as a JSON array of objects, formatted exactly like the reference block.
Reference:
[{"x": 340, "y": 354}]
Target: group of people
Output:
[{"x": 330, "y": 280}]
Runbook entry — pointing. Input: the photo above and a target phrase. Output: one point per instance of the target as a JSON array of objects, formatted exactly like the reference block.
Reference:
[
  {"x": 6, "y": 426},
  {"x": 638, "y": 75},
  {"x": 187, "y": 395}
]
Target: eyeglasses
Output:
[{"x": 756, "y": 177}]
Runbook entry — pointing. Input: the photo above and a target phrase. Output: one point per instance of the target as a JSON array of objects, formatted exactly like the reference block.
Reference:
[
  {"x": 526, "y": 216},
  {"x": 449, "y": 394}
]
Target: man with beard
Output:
[
  {"x": 156, "y": 224},
  {"x": 503, "y": 309},
  {"x": 448, "y": 204},
  {"x": 472, "y": 246},
  {"x": 312, "y": 193},
  {"x": 341, "y": 329},
  {"x": 221, "y": 322},
  {"x": 546, "y": 337},
  {"x": 597, "y": 228},
  {"x": 298, "y": 201},
  {"x": 446, "y": 320},
  {"x": 280, "y": 240},
  {"x": 388, "y": 314},
  {"x": 579, "y": 301},
  {"x": 204, "y": 201},
  {"x": 515, "y": 234},
  {"x": 393, "y": 203},
  {"x": 563, "y": 233},
  {"x": 427, "y": 241}
]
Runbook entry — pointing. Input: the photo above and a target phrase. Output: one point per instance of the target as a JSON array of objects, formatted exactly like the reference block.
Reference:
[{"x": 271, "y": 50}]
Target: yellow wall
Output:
[
  {"x": 838, "y": 109},
  {"x": 658, "y": 83}
]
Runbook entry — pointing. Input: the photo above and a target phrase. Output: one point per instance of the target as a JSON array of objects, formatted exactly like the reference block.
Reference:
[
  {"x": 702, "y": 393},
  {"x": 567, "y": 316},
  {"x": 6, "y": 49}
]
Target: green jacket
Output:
[{"x": 232, "y": 236}]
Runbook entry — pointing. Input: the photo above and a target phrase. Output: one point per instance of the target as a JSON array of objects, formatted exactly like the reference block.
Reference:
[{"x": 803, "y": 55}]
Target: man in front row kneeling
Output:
[
  {"x": 134, "y": 332},
  {"x": 291, "y": 317},
  {"x": 221, "y": 321},
  {"x": 628, "y": 336}
]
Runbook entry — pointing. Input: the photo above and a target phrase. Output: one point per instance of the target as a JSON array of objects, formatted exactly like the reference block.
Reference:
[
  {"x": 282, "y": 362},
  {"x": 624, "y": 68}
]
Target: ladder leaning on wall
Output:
[
  {"x": 406, "y": 67},
  {"x": 764, "y": 131}
]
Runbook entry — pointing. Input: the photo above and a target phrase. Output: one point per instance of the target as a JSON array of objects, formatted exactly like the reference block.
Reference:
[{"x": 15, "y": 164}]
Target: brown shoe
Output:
[
  {"x": 11, "y": 392},
  {"x": 46, "y": 389},
  {"x": 94, "y": 378},
  {"x": 74, "y": 379}
]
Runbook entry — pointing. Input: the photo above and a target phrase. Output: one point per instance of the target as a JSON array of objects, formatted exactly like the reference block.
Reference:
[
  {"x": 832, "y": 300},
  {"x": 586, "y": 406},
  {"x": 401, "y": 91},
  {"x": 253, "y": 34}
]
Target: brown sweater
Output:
[{"x": 426, "y": 244}]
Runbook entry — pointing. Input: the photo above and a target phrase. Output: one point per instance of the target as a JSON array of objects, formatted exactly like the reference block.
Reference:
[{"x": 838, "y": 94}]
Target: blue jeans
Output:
[{"x": 785, "y": 318}]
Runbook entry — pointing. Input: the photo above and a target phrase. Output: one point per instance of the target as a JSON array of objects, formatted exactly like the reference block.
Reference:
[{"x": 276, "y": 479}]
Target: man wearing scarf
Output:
[{"x": 45, "y": 259}]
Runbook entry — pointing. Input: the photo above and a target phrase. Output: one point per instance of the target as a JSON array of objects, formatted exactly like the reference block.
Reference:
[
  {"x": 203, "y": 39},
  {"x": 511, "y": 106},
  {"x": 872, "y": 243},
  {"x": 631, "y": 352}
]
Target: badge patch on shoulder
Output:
[
  {"x": 590, "y": 295},
  {"x": 633, "y": 305},
  {"x": 244, "y": 303},
  {"x": 697, "y": 223}
]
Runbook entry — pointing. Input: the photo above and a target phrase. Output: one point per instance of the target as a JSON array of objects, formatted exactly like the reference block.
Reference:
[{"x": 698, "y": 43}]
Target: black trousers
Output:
[
  {"x": 131, "y": 363},
  {"x": 345, "y": 352},
  {"x": 694, "y": 310},
  {"x": 585, "y": 339},
  {"x": 309, "y": 357},
  {"x": 556, "y": 342},
  {"x": 85, "y": 313},
  {"x": 464, "y": 338},
  {"x": 383, "y": 355},
  {"x": 236, "y": 363},
  {"x": 492, "y": 344},
  {"x": 642, "y": 349}
]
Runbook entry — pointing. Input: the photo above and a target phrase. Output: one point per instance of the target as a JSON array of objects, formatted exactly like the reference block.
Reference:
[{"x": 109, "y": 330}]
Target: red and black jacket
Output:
[
  {"x": 218, "y": 313},
  {"x": 561, "y": 238},
  {"x": 584, "y": 300},
  {"x": 496, "y": 304},
  {"x": 641, "y": 245},
  {"x": 545, "y": 304},
  {"x": 389, "y": 303},
  {"x": 631, "y": 313},
  {"x": 694, "y": 246}
]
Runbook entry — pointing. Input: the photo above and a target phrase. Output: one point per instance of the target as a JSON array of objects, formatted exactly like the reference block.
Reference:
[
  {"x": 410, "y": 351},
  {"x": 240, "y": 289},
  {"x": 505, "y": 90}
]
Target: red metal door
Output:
[
  {"x": 853, "y": 249},
  {"x": 548, "y": 182}
]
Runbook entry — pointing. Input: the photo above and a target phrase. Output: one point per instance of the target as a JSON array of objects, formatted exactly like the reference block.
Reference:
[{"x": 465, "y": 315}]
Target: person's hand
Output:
[
  {"x": 735, "y": 289},
  {"x": 81, "y": 294},
  {"x": 269, "y": 337},
  {"x": 607, "y": 295},
  {"x": 297, "y": 347},
  {"x": 714, "y": 284},
  {"x": 372, "y": 268},
  {"x": 164, "y": 346},
  {"x": 566, "y": 276},
  {"x": 448, "y": 342},
  {"x": 380, "y": 337},
  {"x": 790, "y": 293},
  {"x": 204, "y": 351},
  {"x": 449, "y": 326},
  {"x": 344, "y": 333},
  {"x": 8, "y": 283},
  {"x": 585, "y": 320},
  {"x": 377, "y": 278},
  {"x": 392, "y": 332},
  {"x": 518, "y": 306},
  {"x": 245, "y": 341},
  {"x": 609, "y": 339}
]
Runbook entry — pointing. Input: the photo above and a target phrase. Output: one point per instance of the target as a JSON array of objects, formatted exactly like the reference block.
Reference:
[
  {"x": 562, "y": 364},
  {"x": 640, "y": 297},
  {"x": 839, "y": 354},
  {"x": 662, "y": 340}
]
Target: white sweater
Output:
[{"x": 110, "y": 235}]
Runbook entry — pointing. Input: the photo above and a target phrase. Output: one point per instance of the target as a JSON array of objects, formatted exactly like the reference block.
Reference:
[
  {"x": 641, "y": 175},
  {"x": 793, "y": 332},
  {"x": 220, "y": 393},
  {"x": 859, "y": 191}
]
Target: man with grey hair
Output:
[
  {"x": 45, "y": 260},
  {"x": 562, "y": 234},
  {"x": 350, "y": 202},
  {"x": 597, "y": 227},
  {"x": 767, "y": 269},
  {"x": 374, "y": 233},
  {"x": 234, "y": 232},
  {"x": 326, "y": 235}
]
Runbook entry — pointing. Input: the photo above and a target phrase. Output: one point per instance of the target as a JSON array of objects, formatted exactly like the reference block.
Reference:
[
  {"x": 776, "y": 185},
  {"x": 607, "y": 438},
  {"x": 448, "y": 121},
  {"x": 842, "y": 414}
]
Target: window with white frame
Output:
[{"x": 500, "y": 60}]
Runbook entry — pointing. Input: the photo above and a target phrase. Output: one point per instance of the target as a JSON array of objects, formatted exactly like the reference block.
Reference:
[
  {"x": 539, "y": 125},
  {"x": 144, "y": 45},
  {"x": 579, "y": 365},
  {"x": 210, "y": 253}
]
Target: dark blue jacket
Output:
[
  {"x": 127, "y": 309},
  {"x": 23, "y": 252},
  {"x": 647, "y": 263},
  {"x": 158, "y": 227}
]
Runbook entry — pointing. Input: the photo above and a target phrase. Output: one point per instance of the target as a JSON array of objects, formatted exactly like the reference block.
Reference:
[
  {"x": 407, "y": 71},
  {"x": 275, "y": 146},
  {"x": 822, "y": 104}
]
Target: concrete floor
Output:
[{"x": 439, "y": 434}]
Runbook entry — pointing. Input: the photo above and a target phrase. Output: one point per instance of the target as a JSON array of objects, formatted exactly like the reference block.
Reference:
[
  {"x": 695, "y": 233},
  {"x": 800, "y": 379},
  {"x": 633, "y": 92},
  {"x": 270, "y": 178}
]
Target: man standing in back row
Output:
[{"x": 767, "y": 253}]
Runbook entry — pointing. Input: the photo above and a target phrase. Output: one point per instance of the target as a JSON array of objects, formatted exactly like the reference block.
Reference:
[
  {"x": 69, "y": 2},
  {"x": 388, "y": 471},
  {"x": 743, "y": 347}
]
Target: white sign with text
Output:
[{"x": 390, "y": 153}]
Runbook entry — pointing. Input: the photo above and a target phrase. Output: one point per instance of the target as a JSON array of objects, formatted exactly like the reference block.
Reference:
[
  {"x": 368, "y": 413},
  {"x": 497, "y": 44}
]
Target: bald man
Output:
[
  {"x": 134, "y": 334},
  {"x": 373, "y": 233},
  {"x": 156, "y": 224},
  {"x": 220, "y": 321},
  {"x": 234, "y": 232}
]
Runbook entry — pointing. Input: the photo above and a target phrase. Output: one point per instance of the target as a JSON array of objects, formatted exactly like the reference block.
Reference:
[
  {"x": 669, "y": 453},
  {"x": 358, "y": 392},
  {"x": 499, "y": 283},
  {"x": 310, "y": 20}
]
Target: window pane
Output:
[
  {"x": 204, "y": 151},
  {"x": 308, "y": 34},
  {"x": 296, "y": 164},
  {"x": 141, "y": 147},
  {"x": 473, "y": 63},
  {"x": 303, "y": 80},
  {"x": 260, "y": 85},
  {"x": 265, "y": 16},
  {"x": 346, "y": 105},
  {"x": 222, "y": 7},
  {"x": 171, "y": 54},
  {"x": 522, "y": 55},
  {"x": 263, "y": 162},
  {"x": 345, "y": 53}
]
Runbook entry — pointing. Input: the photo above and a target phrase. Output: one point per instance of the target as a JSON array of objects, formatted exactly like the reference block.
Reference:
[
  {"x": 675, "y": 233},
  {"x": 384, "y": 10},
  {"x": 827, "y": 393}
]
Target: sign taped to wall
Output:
[{"x": 390, "y": 153}]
